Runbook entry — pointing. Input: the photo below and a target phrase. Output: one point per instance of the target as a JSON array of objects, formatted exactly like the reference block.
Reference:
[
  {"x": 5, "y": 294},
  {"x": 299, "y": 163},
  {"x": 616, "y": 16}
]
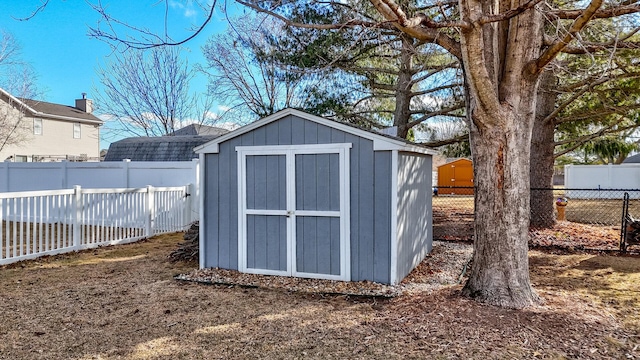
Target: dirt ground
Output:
[{"x": 123, "y": 303}]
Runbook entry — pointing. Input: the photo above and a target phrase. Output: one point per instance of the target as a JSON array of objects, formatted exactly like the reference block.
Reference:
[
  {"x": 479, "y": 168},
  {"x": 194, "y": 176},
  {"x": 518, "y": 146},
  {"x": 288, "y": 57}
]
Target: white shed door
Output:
[{"x": 293, "y": 216}]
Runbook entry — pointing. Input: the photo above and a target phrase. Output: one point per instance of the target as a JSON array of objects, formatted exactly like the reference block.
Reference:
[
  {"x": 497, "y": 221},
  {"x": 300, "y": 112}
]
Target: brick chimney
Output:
[{"x": 85, "y": 104}]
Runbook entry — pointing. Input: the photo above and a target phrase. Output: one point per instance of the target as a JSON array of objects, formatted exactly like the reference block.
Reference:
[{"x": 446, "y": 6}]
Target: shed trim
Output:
[
  {"x": 202, "y": 190},
  {"x": 394, "y": 220},
  {"x": 291, "y": 212},
  {"x": 380, "y": 142}
]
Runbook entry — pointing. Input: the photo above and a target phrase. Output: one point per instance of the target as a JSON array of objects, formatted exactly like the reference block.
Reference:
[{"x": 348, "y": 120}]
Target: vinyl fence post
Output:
[
  {"x": 187, "y": 205},
  {"x": 150, "y": 210},
  {"x": 125, "y": 172},
  {"x": 77, "y": 216}
]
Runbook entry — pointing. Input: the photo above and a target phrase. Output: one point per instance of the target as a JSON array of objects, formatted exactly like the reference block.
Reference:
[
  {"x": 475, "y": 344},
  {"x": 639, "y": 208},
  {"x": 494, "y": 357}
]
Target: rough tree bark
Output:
[
  {"x": 503, "y": 84},
  {"x": 542, "y": 155}
]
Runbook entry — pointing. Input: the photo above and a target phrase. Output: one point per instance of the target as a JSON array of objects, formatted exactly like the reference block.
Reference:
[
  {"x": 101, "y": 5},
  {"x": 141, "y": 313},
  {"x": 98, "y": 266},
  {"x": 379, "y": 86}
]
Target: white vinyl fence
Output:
[
  {"x": 33, "y": 176},
  {"x": 50, "y": 222},
  {"x": 622, "y": 176}
]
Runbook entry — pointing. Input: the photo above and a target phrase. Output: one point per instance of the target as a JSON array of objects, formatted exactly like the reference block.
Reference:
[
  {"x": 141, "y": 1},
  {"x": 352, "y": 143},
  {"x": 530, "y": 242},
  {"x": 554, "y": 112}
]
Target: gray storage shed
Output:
[{"x": 299, "y": 195}]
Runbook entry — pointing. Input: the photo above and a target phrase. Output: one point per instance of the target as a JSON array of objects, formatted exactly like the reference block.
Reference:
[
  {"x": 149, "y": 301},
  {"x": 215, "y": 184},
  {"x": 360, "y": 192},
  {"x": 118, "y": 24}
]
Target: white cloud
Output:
[{"x": 187, "y": 8}]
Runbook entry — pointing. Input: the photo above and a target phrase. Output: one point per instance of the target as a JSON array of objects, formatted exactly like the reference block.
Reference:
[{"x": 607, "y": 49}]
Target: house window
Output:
[
  {"x": 76, "y": 131},
  {"x": 37, "y": 126},
  {"x": 21, "y": 158}
]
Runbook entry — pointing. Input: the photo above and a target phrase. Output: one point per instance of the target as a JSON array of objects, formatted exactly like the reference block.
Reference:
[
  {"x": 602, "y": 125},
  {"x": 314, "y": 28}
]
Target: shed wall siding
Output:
[
  {"x": 370, "y": 208},
  {"x": 414, "y": 211}
]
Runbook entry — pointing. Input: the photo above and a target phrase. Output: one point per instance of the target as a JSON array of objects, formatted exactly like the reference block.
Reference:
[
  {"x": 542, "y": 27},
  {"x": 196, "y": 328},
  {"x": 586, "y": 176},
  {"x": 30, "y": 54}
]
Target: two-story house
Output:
[{"x": 44, "y": 131}]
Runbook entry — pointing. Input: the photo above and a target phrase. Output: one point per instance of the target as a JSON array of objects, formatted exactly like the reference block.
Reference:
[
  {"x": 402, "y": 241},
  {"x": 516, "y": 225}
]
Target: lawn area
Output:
[{"x": 122, "y": 302}]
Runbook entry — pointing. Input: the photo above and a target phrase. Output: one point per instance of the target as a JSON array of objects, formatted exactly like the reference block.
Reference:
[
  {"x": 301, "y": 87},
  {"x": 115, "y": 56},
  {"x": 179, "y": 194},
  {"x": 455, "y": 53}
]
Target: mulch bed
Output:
[{"x": 442, "y": 267}]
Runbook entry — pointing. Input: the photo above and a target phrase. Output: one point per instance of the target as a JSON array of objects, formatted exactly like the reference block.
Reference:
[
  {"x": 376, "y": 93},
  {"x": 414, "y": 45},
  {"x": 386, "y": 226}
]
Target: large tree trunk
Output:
[
  {"x": 500, "y": 271},
  {"x": 502, "y": 95},
  {"x": 542, "y": 159}
]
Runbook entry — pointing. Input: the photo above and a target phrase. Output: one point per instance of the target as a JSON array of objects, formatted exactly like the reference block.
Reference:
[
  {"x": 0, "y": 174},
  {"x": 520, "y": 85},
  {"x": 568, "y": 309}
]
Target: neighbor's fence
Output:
[
  {"x": 50, "y": 222},
  {"x": 34, "y": 176},
  {"x": 453, "y": 213}
]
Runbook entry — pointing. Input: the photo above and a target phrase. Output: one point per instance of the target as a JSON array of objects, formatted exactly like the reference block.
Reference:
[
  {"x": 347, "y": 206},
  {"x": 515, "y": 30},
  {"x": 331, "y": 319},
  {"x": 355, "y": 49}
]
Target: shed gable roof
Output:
[
  {"x": 380, "y": 141},
  {"x": 43, "y": 109}
]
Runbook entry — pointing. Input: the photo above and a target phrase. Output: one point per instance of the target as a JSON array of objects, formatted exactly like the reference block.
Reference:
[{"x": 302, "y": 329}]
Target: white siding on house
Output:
[{"x": 57, "y": 141}]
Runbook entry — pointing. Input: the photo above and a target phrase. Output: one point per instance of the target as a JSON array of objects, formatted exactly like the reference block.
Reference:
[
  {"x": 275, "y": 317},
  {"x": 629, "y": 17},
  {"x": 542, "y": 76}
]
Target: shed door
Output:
[{"x": 293, "y": 212}]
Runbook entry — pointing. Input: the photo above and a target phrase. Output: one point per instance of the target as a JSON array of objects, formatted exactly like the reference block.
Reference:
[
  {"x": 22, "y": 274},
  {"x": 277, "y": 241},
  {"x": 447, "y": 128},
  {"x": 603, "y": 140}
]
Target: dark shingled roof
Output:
[
  {"x": 198, "y": 129},
  {"x": 161, "y": 148},
  {"x": 632, "y": 159},
  {"x": 60, "y": 110}
]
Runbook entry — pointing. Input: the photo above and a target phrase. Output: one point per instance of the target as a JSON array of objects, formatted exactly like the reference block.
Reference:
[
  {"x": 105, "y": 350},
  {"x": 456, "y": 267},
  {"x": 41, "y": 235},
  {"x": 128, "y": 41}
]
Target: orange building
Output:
[{"x": 457, "y": 173}]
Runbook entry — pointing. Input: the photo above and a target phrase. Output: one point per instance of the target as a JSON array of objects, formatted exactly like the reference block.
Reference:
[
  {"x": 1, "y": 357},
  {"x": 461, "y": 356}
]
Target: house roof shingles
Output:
[
  {"x": 162, "y": 148},
  {"x": 59, "y": 110}
]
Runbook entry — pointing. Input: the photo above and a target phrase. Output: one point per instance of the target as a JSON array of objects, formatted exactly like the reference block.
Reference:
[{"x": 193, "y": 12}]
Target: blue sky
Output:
[{"x": 65, "y": 59}]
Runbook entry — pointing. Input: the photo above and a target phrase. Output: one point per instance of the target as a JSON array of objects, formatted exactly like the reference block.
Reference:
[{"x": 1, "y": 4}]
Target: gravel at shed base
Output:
[{"x": 442, "y": 267}]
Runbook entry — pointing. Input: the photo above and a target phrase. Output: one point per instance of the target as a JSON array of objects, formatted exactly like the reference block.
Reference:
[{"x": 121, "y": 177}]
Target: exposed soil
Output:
[{"x": 123, "y": 303}]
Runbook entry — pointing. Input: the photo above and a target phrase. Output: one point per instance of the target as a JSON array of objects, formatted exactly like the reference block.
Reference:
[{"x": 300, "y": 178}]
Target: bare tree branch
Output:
[
  {"x": 509, "y": 14},
  {"x": 600, "y": 14},
  {"x": 149, "y": 38},
  {"x": 457, "y": 139},
  {"x": 581, "y": 21},
  {"x": 43, "y": 5}
]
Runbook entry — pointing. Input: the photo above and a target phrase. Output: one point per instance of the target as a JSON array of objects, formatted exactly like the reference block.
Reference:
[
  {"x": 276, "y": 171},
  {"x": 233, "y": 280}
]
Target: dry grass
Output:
[{"x": 122, "y": 303}]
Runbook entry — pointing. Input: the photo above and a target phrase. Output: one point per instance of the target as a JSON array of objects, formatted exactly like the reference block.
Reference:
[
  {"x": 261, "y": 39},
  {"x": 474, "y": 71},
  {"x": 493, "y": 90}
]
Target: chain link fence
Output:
[{"x": 595, "y": 212}]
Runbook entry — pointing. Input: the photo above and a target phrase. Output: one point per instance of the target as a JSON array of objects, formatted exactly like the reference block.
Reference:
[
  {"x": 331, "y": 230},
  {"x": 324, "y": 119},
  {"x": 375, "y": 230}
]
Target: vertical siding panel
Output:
[
  {"x": 225, "y": 198},
  {"x": 283, "y": 242},
  {"x": 274, "y": 238},
  {"x": 334, "y": 182},
  {"x": 382, "y": 217},
  {"x": 366, "y": 209},
  {"x": 335, "y": 246},
  {"x": 297, "y": 131},
  {"x": 337, "y": 136},
  {"x": 251, "y": 236},
  {"x": 284, "y": 131},
  {"x": 250, "y": 174},
  {"x": 323, "y": 191},
  {"x": 260, "y": 136},
  {"x": 282, "y": 184},
  {"x": 211, "y": 211},
  {"x": 247, "y": 139},
  {"x": 414, "y": 207},
  {"x": 272, "y": 133},
  {"x": 310, "y": 244},
  {"x": 309, "y": 185},
  {"x": 260, "y": 181},
  {"x": 260, "y": 242},
  {"x": 310, "y": 132},
  {"x": 324, "y": 245},
  {"x": 324, "y": 134}
]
